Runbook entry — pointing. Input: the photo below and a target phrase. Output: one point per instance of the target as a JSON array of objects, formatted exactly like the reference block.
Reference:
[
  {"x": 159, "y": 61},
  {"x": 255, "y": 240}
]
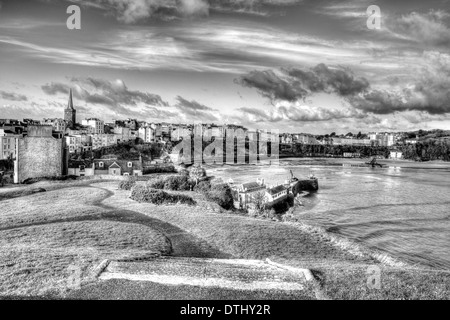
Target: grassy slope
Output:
[
  {"x": 343, "y": 275},
  {"x": 37, "y": 244},
  {"x": 41, "y": 235}
]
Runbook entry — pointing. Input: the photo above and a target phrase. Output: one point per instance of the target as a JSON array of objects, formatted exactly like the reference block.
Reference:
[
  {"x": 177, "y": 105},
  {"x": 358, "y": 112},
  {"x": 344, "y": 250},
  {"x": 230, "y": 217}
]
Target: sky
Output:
[{"x": 306, "y": 66}]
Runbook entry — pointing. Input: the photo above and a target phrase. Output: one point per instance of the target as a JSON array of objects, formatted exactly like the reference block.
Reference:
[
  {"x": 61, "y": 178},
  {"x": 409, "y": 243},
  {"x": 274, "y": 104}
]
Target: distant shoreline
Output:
[{"x": 434, "y": 164}]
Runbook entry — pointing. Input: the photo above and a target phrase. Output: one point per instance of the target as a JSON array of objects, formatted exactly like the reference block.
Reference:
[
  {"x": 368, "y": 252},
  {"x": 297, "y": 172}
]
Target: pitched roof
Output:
[
  {"x": 276, "y": 189},
  {"x": 115, "y": 166},
  {"x": 122, "y": 164},
  {"x": 251, "y": 185}
]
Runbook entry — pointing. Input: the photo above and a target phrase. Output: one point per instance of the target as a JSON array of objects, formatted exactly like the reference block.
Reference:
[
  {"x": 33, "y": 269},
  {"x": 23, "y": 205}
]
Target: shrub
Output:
[
  {"x": 203, "y": 187},
  {"x": 221, "y": 194},
  {"x": 172, "y": 183},
  {"x": 158, "y": 197},
  {"x": 157, "y": 183},
  {"x": 177, "y": 183},
  {"x": 127, "y": 184}
]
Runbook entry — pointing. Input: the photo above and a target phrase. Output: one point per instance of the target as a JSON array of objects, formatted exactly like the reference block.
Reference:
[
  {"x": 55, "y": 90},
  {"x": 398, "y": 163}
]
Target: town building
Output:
[
  {"x": 115, "y": 167},
  {"x": 8, "y": 143},
  {"x": 246, "y": 193},
  {"x": 396, "y": 155},
  {"x": 95, "y": 125},
  {"x": 59, "y": 125},
  {"x": 40, "y": 154},
  {"x": 147, "y": 133},
  {"x": 382, "y": 139},
  {"x": 122, "y": 134},
  {"x": 70, "y": 114},
  {"x": 103, "y": 140},
  {"x": 276, "y": 194},
  {"x": 79, "y": 143}
]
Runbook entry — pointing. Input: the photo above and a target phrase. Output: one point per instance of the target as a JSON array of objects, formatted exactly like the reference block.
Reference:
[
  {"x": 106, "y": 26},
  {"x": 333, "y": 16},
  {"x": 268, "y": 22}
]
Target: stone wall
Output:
[{"x": 42, "y": 156}]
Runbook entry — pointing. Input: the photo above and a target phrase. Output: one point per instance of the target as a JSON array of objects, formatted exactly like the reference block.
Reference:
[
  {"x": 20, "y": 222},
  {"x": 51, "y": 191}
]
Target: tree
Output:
[{"x": 259, "y": 200}]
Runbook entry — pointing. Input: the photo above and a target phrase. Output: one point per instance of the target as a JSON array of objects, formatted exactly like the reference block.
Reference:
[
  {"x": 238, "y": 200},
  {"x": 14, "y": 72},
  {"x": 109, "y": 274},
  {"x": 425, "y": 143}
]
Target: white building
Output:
[
  {"x": 122, "y": 134},
  {"x": 58, "y": 125},
  {"x": 8, "y": 143},
  {"x": 103, "y": 140},
  {"x": 96, "y": 126},
  {"x": 147, "y": 134},
  {"x": 382, "y": 139},
  {"x": 78, "y": 143},
  {"x": 396, "y": 155}
]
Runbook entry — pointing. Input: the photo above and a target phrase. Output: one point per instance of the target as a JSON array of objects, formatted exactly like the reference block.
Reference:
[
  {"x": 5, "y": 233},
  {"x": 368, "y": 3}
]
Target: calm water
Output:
[{"x": 402, "y": 211}]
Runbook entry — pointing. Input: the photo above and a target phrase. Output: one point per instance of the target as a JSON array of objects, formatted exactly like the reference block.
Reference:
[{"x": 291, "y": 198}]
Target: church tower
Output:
[{"x": 70, "y": 114}]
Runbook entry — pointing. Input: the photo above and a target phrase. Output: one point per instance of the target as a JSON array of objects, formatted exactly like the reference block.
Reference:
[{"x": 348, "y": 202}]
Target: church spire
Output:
[
  {"x": 70, "y": 105},
  {"x": 70, "y": 114}
]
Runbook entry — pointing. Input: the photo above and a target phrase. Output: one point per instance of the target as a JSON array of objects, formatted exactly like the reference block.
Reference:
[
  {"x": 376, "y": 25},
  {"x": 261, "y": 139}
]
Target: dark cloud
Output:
[
  {"x": 273, "y": 86},
  {"x": 113, "y": 97},
  {"x": 99, "y": 91},
  {"x": 13, "y": 96},
  {"x": 295, "y": 84},
  {"x": 194, "y": 110},
  {"x": 427, "y": 91},
  {"x": 116, "y": 92},
  {"x": 323, "y": 79},
  {"x": 54, "y": 88}
]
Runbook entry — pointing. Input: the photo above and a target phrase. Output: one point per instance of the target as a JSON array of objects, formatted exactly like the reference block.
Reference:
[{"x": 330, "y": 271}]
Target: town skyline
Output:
[{"x": 299, "y": 66}]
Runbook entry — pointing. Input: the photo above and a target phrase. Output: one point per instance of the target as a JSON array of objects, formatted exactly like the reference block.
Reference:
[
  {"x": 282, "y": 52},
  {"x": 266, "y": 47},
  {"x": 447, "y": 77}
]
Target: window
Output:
[
  {"x": 130, "y": 164},
  {"x": 101, "y": 164}
]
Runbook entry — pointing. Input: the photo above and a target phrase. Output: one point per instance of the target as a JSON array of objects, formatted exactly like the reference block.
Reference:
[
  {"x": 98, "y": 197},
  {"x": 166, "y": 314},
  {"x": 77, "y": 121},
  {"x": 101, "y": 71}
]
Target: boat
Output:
[{"x": 297, "y": 185}]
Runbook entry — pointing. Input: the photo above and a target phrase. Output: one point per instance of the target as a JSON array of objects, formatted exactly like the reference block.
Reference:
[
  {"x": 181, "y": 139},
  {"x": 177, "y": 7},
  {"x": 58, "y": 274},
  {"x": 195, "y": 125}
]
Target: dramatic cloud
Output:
[
  {"x": 99, "y": 91},
  {"x": 273, "y": 86},
  {"x": 194, "y": 110},
  {"x": 294, "y": 84},
  {"x": 425, "y": 28},
  {"x": 114, "y": 97},
  {"x": 323, "y": 79},
  {"x": 427, "y": 91},
  {"x": 13, "y": 96},
  {"x": 55, "y": 88}
]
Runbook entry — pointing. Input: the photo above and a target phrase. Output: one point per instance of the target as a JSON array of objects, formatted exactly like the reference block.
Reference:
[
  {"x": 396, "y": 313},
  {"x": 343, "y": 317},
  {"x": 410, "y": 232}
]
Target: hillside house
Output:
[
  {"x": 114, "y": 167},
  {"x": 276, "y": 194}
]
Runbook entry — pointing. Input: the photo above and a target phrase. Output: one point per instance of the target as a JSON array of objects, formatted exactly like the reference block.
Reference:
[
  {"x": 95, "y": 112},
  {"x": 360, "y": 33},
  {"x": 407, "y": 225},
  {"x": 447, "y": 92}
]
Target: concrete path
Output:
[{"x": 218, "y": 273}]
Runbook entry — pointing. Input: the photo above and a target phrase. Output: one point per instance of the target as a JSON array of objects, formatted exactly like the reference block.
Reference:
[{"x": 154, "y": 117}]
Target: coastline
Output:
[{"x": 338, "y": 264}]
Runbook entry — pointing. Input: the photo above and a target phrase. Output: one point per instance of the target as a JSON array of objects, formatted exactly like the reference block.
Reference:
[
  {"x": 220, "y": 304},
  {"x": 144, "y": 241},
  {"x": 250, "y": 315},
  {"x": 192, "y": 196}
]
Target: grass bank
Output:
[
  {"x": 341, "y": 267},
  {"x": 50, "y": 240}
]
